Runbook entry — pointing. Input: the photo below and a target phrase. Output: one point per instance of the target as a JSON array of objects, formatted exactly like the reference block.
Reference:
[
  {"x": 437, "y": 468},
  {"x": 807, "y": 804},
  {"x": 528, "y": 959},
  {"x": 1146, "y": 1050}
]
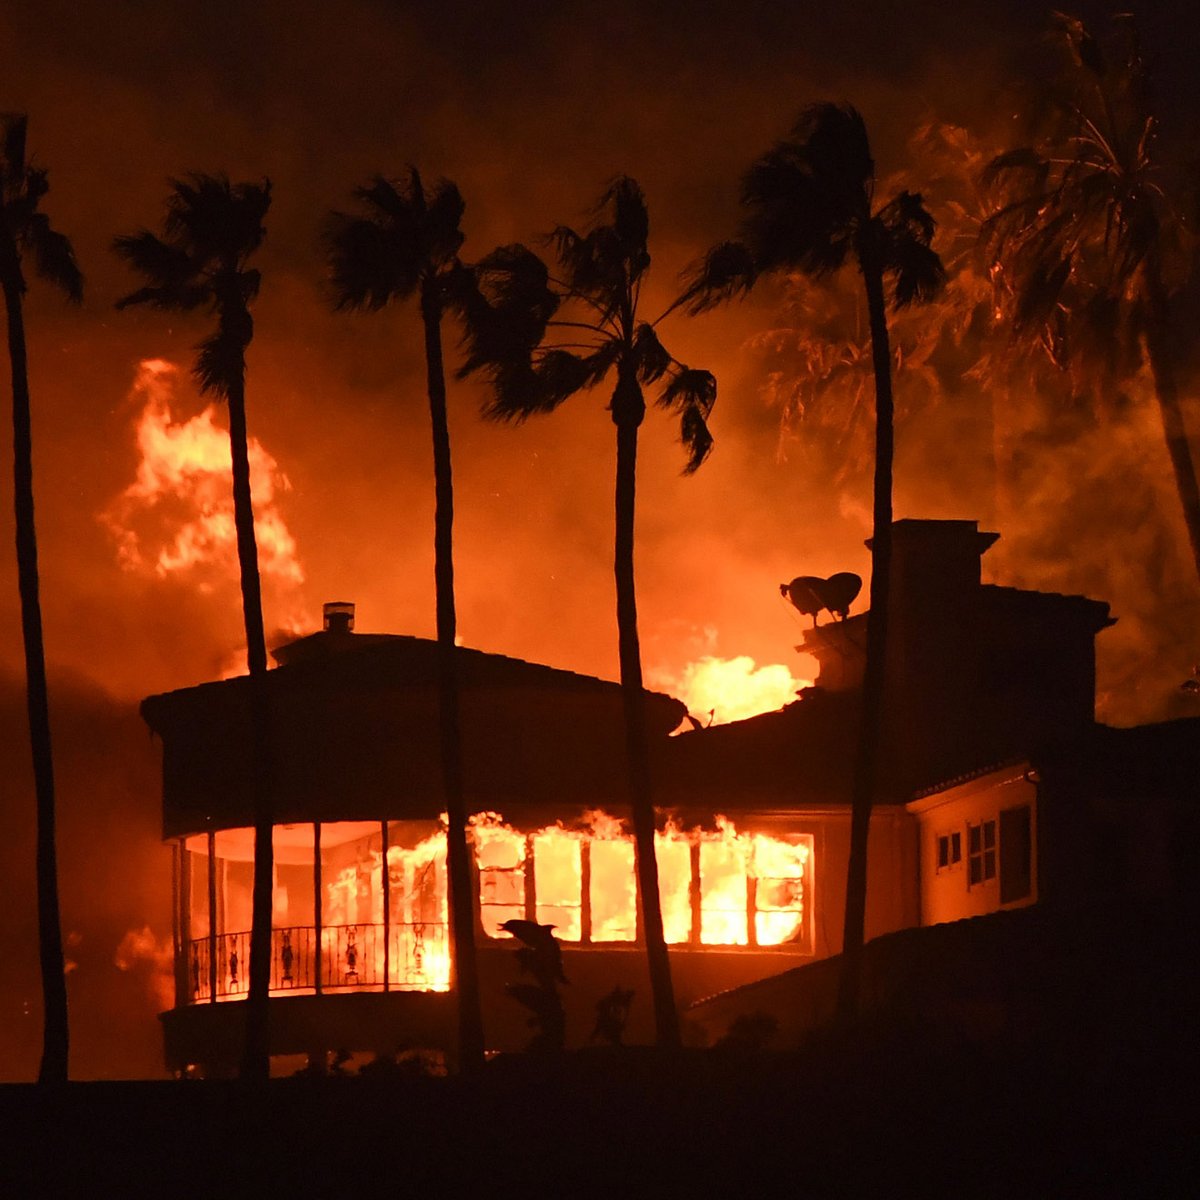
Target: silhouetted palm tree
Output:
[
  {"x": 211, "y": 229},
  {"x": 1087, "y": 244},
  {"x": 407, "y": 245},
  {"x": 602, "y": 274},
  {"x": 809, "y": 207},
  {"x": 24, "y": 230}
]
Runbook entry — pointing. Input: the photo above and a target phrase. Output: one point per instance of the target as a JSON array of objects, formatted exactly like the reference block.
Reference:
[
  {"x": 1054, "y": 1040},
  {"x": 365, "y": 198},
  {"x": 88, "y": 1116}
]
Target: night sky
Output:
[{"x": 530, "y": 108}]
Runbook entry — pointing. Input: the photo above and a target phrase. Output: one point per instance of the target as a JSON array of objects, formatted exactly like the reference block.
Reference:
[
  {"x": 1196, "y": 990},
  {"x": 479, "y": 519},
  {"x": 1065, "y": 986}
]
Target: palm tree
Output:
[
  {"x": 211, "y": 229},
  {"x": 1090, "y": 240},
  {"x": 602, "y": 274},
  {"x": 407, "y": 245},
  {"x": 809, "y": 207},
  {"x": 24, "y": 230}
]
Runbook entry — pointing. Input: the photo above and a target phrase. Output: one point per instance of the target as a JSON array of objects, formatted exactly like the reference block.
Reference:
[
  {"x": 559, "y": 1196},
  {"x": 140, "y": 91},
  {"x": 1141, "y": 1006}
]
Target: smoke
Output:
[
  {"x": 114, "y": 877},
  {"x": 531, "y": 108}
]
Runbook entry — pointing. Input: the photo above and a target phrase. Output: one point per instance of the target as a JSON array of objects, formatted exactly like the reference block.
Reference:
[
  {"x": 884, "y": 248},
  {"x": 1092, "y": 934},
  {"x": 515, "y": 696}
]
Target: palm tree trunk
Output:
[
  {"x": 458, "y": 861},
  {"x": 871, "y": 727},
  {"x": 1166, "y": 388},
  {"x": 256, "y": 1059},
  {"x": 55, "y": 1038},
  {"x": 628, "y": 409}
]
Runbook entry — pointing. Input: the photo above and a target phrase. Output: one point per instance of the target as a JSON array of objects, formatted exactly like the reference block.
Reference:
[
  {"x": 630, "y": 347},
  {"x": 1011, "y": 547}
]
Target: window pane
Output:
[
  {"x": 500, "y": 855},
  {"x": 956, "y": 847},
  {"x": 292, "y": 850},
  {"x": 674, "y": 858},
  {"x": 197, "y": 858},
  {"x": 989, "y": 835},
  {"x": 558, "y": 882},
  {"x": 973, "y": 839},
  {"x": 722, "y": 894},
  {"x": 779, "y": 890},
  {"x": 974, "y": 870},
  {"x": 943, "y": 851},
  {"x": 235, "y": 878},
  {"x": 419, "y": 956},
  {"x": 613, "y": 892}
]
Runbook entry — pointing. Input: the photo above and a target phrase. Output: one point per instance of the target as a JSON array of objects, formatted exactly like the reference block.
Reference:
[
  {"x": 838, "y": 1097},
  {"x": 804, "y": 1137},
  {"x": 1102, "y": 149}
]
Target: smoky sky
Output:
[{"x": 530, "y": 108}]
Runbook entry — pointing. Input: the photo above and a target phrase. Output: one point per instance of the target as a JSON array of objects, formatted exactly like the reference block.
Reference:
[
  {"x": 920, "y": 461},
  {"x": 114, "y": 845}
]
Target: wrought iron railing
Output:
[{"x": 415, "y": 958}]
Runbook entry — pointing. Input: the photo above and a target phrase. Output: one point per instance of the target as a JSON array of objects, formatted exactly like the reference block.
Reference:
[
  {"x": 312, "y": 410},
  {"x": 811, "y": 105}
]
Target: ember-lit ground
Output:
[{"x": 530, "y": 109}]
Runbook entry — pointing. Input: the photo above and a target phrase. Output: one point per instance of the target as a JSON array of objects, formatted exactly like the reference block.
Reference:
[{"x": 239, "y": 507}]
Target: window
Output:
[
  {"x": 1016, "y": 854},
  {"x": 981, "y": 852},
  {"x": 720, "y": 888},
  {"x": 500, "y": 854},
  {"x": 949, "y": 850},
  {"x": 558, "y": 881}
]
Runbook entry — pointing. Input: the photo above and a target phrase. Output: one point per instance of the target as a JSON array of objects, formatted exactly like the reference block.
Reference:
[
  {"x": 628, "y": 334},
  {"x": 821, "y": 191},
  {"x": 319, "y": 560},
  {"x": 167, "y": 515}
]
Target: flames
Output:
[
  {"x": 719, "y": 887},
  {"x": 717, "y": 690},
  {"x": 176, "y": 518}
]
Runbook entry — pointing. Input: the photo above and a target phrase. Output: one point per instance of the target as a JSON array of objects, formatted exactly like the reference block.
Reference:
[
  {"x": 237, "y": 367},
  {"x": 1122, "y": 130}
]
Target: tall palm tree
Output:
[
  {"x": 809, "y": 207},
  {"x": 24, "y": 230},
  {"x": 210, "y": 231},
  {"x": 1090, "y": 242},
  {"x": 602, "y": 272},
  {"x": 407, "y": 245}
]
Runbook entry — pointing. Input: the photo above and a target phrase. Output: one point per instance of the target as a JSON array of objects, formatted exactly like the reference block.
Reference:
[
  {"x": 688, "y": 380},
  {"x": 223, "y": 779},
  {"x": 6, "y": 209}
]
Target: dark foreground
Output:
[{"x": 1098, "y": 1108}]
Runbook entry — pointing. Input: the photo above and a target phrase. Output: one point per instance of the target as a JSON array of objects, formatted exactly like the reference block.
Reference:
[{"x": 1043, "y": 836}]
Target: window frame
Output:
[{"x": 801, "y": 944}]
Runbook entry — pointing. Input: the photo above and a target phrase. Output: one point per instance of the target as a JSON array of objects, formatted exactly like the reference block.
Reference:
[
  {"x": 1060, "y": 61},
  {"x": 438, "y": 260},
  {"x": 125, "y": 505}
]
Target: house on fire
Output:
[{"x": 754, "y": 816}]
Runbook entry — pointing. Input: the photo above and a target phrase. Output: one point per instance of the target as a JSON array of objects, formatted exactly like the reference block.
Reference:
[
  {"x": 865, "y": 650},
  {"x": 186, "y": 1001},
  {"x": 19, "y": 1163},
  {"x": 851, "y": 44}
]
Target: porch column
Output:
[
  {"x": 212, "y": 917},
  {"x": 317, "y": 905}
]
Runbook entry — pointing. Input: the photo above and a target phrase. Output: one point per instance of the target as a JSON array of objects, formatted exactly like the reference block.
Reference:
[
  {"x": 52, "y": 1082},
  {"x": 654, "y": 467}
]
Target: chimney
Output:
[{"x": 338, "y": 617}]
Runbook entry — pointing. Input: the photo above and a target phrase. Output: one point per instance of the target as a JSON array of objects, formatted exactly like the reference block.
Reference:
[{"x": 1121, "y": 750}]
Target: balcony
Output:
[{"x": 411, "y": 957}]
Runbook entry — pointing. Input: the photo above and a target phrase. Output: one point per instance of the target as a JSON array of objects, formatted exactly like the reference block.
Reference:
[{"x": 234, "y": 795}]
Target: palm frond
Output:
[
  {"x": 726, "y": 271},
  {"x": 692, "y": 393},
  {"x": 211, "y": 218},
  {"x": 370, "y": 263},
  {"x": 220, "y": 360},
  {"x": 54, "y": 257},
  {"x": 917, "y": 270},
  {"x": 505, "y": 303},
  {"x": 650, "y": 355},
  {"x": 443, "y": 214},
  {"x": 165, "y": 265}
]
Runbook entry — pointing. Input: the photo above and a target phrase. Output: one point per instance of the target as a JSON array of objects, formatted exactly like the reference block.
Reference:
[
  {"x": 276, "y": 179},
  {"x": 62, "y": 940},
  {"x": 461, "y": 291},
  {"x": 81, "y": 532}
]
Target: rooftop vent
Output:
[{"x": 338, "y": 617}]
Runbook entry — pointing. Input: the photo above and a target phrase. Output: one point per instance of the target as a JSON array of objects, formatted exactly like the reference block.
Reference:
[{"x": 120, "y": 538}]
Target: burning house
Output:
[{"x": 754, "y": 815}]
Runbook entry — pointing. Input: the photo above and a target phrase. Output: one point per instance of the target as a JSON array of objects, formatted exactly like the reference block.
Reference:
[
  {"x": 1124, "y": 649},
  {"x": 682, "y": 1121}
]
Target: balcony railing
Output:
[{"x": 413, "y": 957}]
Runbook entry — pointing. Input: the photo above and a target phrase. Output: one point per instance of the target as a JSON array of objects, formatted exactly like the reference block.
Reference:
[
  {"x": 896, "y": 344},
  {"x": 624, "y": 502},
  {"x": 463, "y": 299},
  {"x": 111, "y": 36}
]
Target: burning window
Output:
[
  {"x": 500, "y": 857},
  {"x": 717, "y": 888},
  {"x": 558, "y": 881},
  {"x": 612, "y": 890}
]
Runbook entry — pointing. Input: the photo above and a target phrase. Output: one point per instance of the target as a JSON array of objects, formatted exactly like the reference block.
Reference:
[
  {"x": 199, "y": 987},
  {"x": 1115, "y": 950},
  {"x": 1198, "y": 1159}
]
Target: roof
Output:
[
  {"x": 800, "y": 755},
  {"x": 389, "y": 661}
]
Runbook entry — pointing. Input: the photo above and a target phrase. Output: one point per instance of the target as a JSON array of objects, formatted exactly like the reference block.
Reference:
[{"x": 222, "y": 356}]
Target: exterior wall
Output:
[{"x": 948, "y": 892}]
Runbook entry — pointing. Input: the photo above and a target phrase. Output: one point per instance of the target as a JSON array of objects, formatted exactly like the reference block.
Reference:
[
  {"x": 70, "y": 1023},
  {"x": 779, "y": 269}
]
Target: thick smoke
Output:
[{"x": 531, "y": 108}]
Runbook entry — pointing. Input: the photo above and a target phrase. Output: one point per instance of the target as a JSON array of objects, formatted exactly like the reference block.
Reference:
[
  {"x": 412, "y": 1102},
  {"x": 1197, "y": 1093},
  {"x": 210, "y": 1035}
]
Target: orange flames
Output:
[
  {"x": 717, "y": 690},
  {"x": 177, "y": 514},
  {"x": 718, "y": 887}
]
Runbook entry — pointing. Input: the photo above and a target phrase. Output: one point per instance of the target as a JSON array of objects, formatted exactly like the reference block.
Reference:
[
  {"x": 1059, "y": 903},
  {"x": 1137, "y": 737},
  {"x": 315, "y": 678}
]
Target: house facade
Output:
[{"x": 753, "y": 831}]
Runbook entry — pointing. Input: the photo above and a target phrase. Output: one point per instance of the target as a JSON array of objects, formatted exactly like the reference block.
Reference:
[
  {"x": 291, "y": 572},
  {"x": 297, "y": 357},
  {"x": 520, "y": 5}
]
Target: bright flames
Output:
[
  {"x": 718, "y": 690},
  {"x": 718, "y": 887},
  {"x": 177, "y": 514}
]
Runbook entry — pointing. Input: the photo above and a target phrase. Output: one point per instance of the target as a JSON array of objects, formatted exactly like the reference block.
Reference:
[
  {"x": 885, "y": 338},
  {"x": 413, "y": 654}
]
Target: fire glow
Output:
[
  {"x": 177, "y": 515},
  {"x": 718, "y": 888},
  {"x": 731, "y": 689}
]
